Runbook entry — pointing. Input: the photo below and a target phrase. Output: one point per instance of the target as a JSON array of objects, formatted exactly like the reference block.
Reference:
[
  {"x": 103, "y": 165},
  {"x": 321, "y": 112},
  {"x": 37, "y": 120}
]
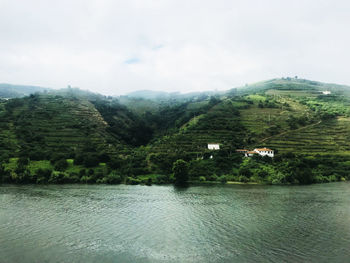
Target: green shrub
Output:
[
  {"x": 87, "y": 179},
  {"x": 71, "y": 178},
  {"x": 82, "y": 172},
  {"x": 113, "y": 178},
  {"x": 162, "y": 179},
  {"x": 212, "y": 178},
  {"x": 132, "y": 181},
  {"x": 23, "y": 161},
  {"x": 56, "y": 178},
  {"x": 202, "y": 179},
  {"x": 61, "y": 165},
  {"x": 243, "y": 179},
  {"x": 91, "y": 160},
  {"x": 149, "y": 181},
  {"x": 180, "y": 169},
  {"x": 43, "y": 175},
  {"x": 222, "y": 179}
]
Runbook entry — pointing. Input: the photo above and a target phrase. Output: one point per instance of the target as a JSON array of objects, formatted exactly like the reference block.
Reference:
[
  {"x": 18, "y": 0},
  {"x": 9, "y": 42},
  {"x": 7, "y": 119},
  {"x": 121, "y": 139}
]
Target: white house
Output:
[
  {"x": 264, "y": 152},
  {"x": 250, "y": 153},
  {"x": 260, "y": 151},
  {"x": 326, "y": 92},
  {"x": 213, "y": 146}
]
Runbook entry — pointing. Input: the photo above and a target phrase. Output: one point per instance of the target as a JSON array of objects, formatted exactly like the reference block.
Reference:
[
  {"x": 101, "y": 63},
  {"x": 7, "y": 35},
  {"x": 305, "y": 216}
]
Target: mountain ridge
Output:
[{"x": 138, "y": 136}]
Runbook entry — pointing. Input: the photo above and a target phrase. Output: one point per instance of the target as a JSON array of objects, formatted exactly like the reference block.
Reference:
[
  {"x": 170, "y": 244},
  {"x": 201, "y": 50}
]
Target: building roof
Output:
[
  {"x": 252, "y": 152},
  {"x": 213, "y": 143},
  {"x": 241, "y": 150},
  {"x": 263, "y": 149}
]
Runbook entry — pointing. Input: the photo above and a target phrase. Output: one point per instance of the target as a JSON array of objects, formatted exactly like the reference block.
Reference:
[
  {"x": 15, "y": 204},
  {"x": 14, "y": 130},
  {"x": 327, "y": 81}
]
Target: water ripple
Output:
[{"x": 82, "y": 223}]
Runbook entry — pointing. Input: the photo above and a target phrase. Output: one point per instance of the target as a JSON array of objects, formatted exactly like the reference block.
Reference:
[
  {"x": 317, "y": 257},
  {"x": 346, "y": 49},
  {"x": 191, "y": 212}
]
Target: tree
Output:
[
  {"x": 198, "y": 168},
  {"x": 23, "y": 161},
  {"x": 114, "y": 178},
  {"x": 180, "y": 169},
  {"x": 61, "y": 165},
  {"x": 91, "y": 160},
  {"x": 43, "y": 175},
  {"x": 245, "y": 171},
  {"x": 104, "y": 157}
]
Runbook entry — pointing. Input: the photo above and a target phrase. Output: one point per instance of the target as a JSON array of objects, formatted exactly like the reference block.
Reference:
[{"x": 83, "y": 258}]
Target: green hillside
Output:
[
  {"x": 72, "y": 135},
  {"x": 313, "y": 123},
  {"x": 293, "y": 87},
  {"x": 220, "y": 123},
  {"x": 44, "y": 124},
  {"x": 291, "y": 116},
  {"x": 328, "y": 137}
]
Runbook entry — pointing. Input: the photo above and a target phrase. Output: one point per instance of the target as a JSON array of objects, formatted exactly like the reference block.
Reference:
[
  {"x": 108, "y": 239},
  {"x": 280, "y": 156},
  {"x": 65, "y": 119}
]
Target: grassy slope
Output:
[
  {"x": 66, "y": 124},
  {"x": 252, "y": 125},
  {"x": 327, "y": 137},
  {"x": 219, "y": 124},
  {"x": 56, "y": 124},
  {"x": 330, "y": 137},
  {"x": 259, "y": 120},
  {"x": 293, "y": 86},
  {"x": 8, "y": 139}
]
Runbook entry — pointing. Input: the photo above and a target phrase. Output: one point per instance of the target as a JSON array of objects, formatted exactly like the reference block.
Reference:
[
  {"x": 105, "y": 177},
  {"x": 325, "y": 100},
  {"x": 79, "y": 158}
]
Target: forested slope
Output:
[{"x": 79, "y": 136}]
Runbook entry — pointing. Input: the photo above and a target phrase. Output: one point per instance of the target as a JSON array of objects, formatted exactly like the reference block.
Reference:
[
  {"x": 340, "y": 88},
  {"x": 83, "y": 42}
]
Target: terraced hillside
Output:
[
  {"x": 329, "y": 137},
  {"x": 321, "y": 123},
  {"x": 267, "y": 115},
  {"x": 42, "y": 123},
  {"x": 220, "y": 124},
  {"x": 238, "y": 122},
  {"x": 105, "y": 139},
  {"x": 8, "y": 138},
  {"x": 293, "y": 87}
]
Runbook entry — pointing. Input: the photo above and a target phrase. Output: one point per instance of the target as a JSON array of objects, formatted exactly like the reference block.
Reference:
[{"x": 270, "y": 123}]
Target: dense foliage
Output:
[{"x": 72, "y": 136}]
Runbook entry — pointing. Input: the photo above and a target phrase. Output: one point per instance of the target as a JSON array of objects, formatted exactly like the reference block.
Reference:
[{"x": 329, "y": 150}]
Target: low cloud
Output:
[{"x": 114, "y": 47}]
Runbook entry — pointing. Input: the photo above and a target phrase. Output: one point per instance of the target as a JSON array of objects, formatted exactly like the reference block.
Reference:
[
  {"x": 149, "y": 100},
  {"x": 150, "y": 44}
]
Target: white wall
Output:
[
  {"x": 212, "y": 146},
  {"x": 264, "y": 153}
]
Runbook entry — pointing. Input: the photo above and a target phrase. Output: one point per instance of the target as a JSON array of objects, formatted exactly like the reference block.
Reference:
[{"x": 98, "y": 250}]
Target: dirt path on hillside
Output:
[{"x": 302, "y": 128}]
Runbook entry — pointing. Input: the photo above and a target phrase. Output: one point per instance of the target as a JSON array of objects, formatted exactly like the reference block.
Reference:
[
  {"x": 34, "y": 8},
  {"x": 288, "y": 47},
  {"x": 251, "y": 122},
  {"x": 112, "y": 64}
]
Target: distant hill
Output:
[
  {"x": 164, "y": 96},
  {"x": 241, "y": 117},
  {"x": 149, "y": 94},
  {"x": 18, "y": 91},
  {"x": 305, "y": 122},
  {"x": 291, "y": 84},
  {"x": 270, "y": 113},
  {"x": 67, "y": 122}
]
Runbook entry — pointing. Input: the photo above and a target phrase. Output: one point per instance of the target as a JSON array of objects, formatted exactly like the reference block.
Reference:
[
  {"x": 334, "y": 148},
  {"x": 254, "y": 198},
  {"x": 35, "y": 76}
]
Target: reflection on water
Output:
[{"x": 93, "y": 223}]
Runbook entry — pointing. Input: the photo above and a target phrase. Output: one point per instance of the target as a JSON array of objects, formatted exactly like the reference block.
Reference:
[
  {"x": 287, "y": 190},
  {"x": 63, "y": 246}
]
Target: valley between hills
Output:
[{"x": 146, "y": 137}]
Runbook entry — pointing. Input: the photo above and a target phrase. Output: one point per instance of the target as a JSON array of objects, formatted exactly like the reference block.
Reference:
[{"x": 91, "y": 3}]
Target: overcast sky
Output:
[{"x": 113, "y": 46}]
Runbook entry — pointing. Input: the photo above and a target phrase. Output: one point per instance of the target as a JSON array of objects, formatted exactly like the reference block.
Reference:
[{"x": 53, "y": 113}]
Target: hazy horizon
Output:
[{"x": 116, "y": 47}]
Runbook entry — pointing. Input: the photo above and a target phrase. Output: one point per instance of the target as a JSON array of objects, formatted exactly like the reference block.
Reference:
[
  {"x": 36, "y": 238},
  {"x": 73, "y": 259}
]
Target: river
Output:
[{"x": 221, "y": 223}]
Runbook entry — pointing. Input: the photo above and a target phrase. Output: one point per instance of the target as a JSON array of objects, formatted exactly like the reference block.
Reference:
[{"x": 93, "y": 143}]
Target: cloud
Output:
[
  {"x": 132, "y": 61},
  {"x": 114, "y": 46}
]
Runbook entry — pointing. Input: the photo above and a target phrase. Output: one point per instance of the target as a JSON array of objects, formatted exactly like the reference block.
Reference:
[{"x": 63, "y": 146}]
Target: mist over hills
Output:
[
  {"x": 147, "y": 131},
  {"x": 17, "y": 91}
]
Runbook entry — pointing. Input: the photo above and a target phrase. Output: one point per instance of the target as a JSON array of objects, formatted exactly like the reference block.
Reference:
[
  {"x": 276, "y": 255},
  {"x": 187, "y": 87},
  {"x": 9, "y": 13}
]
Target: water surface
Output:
[{"x": 232, "y": 223}]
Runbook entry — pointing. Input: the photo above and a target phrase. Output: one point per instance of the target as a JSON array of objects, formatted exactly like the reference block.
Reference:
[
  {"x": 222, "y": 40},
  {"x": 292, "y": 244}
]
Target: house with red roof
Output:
[
  {"x": 264, "y": 152},
  {"x": 261, "y": 151}
]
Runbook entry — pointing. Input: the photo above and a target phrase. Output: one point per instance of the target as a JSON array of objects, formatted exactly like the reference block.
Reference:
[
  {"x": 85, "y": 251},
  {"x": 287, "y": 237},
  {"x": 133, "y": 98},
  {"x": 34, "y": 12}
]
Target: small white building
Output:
[
  {"x": 260, "y": 151},
  {"x": 264, "y": 152},
  {"x": 326, "y": 92},
  {"x": 250, "y": 153},
  {"x": 213, "y": 146}
]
